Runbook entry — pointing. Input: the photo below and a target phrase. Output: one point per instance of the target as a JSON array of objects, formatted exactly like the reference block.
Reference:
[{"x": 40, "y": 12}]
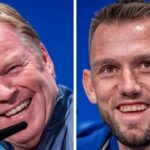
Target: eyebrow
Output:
[
  {"x": 110, "y": 61},
  {"x": 140, "y": 57},
  {"x": 105, "y": 61},
  {"x": 9, "y": 60},
  {"x": 12, "y": 58}
]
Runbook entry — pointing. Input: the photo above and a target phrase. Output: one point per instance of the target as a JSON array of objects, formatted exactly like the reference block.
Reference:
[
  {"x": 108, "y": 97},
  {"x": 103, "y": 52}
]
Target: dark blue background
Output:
[
  {"x": 53, "y": 20},
  {"x": 87, "y": 113}
]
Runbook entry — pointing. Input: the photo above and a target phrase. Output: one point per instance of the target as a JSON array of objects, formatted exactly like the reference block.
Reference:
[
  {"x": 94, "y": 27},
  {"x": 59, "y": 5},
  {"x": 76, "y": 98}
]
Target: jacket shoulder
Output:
[{"x": 93, "y": 136}]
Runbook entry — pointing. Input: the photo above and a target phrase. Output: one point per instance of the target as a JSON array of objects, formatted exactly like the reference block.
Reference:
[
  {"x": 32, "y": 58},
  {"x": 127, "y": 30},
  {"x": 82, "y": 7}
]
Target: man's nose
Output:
[
  {"x": 7, "y": 94},
  {"x": 129, "y": 85}
]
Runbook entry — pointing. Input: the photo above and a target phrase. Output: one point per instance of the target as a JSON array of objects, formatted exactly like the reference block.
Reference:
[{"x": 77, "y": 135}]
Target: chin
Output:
[
  {"x": 28, "y": 137},
  {"x": 133, "y": 137}
]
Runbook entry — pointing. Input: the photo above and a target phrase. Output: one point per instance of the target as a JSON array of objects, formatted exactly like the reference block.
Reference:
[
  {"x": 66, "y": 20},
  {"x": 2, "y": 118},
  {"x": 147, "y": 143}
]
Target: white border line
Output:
[{"x": 75, "y": 65}]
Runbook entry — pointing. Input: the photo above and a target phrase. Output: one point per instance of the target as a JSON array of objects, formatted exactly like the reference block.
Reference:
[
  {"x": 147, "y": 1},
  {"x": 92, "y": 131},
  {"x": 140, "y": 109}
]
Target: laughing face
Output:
[
  {"x": 119, "y": 79},
  {"x": 27, "y": 87}
]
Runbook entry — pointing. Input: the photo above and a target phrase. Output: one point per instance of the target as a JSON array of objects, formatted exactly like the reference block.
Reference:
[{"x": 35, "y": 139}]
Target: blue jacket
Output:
[
  {"x": 58, "y": 133},
  {"x": 96, "y": 137}
]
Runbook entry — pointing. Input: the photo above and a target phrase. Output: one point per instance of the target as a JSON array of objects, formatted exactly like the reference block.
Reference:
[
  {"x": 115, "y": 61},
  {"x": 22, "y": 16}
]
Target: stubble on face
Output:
[
  {"x": 128, "y": 136},
  {"x": 131, "y": 134}
]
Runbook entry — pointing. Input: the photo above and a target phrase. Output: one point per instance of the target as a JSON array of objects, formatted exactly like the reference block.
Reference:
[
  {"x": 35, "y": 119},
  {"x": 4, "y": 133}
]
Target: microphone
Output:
[{"x": 6, "y": 132}]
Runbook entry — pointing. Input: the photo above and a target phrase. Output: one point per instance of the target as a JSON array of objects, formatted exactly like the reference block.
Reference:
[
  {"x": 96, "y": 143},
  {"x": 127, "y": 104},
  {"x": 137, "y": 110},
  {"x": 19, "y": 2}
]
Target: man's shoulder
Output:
[
  {"x": 65, "y": 102},
  {"x": 5, "y": 146},
  {"x": 59, "y": 127},
  {"x": 93, "y": 136},
  {"x": 65, "y": 94}
]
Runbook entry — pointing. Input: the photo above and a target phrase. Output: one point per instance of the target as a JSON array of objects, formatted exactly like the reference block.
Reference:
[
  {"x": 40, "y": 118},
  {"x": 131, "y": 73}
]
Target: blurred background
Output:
[
  {"x": 53, "y": 21},
  {"x": 87, "y": 113}
]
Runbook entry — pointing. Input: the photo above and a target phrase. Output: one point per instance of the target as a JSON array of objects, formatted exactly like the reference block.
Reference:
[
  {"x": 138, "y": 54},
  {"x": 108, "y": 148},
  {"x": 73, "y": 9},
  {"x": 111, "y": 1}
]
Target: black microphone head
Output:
[{"x": 4, "y": 133}]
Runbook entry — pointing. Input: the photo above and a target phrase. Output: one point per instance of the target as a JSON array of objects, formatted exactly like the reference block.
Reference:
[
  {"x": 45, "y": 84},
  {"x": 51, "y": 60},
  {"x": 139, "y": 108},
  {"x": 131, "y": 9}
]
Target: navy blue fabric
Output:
[
  {"x": 58, "y": 133},
  {"x": 95, "y": 137},
  {"x": 113, "y": 143}
]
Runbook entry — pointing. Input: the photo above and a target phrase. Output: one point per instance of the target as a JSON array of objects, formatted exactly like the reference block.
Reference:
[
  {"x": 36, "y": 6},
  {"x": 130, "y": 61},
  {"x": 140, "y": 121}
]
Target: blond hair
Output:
[{"x": 10, "y": 16}]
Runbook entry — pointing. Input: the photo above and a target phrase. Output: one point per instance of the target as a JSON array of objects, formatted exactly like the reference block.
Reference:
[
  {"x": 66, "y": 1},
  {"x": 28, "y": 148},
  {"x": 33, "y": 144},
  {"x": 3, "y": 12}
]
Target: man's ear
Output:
[
  {"x": 47, "y": 60},
  {"x": 88, "y": 86}
]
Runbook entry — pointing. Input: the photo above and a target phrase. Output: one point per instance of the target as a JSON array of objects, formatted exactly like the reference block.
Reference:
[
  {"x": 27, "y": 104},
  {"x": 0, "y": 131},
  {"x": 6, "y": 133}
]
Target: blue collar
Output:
[{"x": 113, "y": 143}]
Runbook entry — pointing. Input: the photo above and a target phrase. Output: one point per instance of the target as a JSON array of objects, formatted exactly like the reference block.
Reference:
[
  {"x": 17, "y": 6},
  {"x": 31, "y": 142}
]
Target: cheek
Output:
[
  {"x": 102, "y": 101},
  {"x": 104, "y": 110},
  {"x": 144, "y": 80},
  {"x": 105, "y": 105},
  {"x": 105, "y": 89},
  {"x": 32, "y": 80},
  {"x": 106, "y": 93},
  {"x": 40, "y": 83}
]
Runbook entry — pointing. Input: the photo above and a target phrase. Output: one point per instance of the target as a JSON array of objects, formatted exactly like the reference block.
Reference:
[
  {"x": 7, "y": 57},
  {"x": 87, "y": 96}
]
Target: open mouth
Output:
[
  {"x": 133, "y": 108},
  {"x": 18, "y": 110}
]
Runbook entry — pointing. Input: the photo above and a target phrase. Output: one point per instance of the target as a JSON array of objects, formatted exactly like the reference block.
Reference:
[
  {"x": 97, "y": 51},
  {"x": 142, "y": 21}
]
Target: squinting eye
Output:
[{"x": 14, "y": 68}]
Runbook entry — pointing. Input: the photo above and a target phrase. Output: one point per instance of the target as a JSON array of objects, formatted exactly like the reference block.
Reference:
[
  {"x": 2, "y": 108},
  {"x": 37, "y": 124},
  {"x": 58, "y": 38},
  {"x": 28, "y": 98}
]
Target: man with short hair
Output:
[
  {"x": 118, "y": 81},
  {"x": 28, "y": 90}
]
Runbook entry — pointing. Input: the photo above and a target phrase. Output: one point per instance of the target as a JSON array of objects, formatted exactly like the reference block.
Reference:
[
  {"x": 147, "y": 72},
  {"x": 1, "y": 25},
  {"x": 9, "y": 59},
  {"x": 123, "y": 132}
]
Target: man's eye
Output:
[
  {"x": 14, "y": 68},
  {"x": 145, "y": 65},
  {"x": 108, "y": 69}
]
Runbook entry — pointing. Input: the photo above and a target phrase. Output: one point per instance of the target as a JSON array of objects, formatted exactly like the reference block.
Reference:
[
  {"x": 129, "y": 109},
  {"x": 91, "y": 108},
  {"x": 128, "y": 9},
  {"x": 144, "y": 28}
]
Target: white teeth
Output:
[
  {"x": 18, "y": 109},
  {"x": 132, "y": 108}
]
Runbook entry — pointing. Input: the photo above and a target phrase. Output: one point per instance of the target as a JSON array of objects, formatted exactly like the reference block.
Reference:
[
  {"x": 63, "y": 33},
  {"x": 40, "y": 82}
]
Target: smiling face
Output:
[
  {"x": 27, "y": 87},
  {"x": 119, "y": 79}
]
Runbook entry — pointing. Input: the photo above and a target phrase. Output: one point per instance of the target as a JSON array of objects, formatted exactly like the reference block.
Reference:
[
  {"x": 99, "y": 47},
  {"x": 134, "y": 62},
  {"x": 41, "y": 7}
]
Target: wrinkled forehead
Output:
[
  {"x": 11, "y": 42},
  {"x": 8, "y": 37}
]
